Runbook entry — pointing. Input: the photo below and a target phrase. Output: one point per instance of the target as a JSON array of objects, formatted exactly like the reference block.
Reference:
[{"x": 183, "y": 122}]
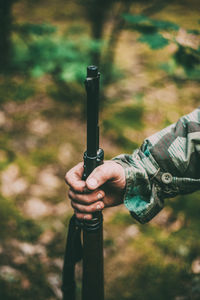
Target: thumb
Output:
[{"x": 107, "y": 171}]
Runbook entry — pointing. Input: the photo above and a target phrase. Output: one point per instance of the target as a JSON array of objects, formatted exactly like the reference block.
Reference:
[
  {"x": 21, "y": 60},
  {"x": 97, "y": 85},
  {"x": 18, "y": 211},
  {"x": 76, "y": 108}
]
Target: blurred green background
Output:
[{"x": 148, "y": 53}]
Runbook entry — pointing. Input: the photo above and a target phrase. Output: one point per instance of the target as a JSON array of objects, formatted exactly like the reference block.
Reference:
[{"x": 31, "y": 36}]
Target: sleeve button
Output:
[{"x": 166, "y": 178}]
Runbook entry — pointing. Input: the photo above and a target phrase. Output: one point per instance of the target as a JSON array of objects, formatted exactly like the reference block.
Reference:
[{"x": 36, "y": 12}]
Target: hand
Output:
[{"x": 103, "y": 188}]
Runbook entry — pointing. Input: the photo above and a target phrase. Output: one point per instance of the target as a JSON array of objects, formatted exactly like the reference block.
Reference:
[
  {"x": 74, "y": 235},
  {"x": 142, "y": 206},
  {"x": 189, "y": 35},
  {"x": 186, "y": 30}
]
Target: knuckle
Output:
[
  {"x": 79, "y": 198},
  {"x": 85, "y": 209},
  {"x": 71, "y": 194},
  {"x": 93, "y": 209},
  {"x": 73, "y": 186},
  {"x": 79, "y": 216},
  {"x": 84, "y": 199},
  {"x": 73, "y": 205},
  {"x": 87, "y": 199},
  {"x": 102, "y": 171},
  {"x": 80, "y": 165},
  {"x": 67, "y": 177}
]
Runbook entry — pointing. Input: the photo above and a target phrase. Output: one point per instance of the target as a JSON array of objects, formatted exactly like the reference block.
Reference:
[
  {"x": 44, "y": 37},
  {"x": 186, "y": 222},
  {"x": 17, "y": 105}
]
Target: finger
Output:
[
  {"x": 100, "y": 175},
  {"x": 83, "y": 216},
  {"x": 86, "y": 198},
  {"x": 87, "y": 208},
  {"x": 74, "y": 178}
]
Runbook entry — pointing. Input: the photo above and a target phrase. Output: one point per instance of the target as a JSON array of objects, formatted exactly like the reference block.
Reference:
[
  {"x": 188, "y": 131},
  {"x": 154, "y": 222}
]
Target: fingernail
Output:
[
  {"x": 99, "y": 196},
  {"x": 99, "y": 207},
  {"x": 86, "y": 217},
  {"x": 92, "y": 183}
]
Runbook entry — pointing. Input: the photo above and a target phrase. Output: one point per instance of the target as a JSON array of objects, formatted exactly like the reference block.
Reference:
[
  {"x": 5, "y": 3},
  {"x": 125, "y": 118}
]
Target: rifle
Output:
[{"x": 90, "y": 249}]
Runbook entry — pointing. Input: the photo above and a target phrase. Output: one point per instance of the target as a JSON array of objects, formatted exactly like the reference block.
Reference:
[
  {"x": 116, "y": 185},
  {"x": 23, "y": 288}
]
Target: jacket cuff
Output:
[{"x": 142, "y": 195}]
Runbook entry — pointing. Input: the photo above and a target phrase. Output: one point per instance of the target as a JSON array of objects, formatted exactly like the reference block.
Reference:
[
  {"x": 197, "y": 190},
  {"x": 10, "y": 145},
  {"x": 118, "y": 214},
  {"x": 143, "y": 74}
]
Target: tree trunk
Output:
[
  {"x": 5, "y": 34},
  {"x": 96, "y": 12}
]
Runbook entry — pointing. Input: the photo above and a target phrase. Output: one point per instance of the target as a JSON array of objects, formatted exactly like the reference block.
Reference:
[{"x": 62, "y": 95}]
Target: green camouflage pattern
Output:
[{"x": 166, "y": 165}]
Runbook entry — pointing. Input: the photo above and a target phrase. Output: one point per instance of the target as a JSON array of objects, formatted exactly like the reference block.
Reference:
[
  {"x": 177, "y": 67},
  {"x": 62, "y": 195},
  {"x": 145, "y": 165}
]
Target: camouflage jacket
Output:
[{"x": 167, "y": 164}]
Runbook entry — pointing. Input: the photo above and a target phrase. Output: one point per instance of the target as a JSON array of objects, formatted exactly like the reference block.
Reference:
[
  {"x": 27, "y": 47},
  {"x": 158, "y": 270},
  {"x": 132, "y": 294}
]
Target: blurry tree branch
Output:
[
  {"x": 155, "y": 6},
  {"x": 118, "y": 25},
  {"x": 96, "y": 12},
  {"x": 100, "y": 13}
]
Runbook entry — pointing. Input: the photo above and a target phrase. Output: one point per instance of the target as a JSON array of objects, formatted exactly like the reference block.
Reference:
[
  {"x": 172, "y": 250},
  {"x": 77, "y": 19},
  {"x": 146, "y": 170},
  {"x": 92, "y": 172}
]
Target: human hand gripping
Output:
[{"x": 103, "y": 188}]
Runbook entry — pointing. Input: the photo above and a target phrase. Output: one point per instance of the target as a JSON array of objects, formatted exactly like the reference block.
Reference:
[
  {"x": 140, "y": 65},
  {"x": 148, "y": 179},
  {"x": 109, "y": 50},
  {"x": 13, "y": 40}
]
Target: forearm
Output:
[{"x": 167, "y": 164}]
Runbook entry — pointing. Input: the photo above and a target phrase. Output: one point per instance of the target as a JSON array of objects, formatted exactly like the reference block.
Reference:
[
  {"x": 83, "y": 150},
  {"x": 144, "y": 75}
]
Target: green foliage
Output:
[
  {"x": 164, "y": 25},
  {"x": 43, "y": 156},
  {"x": 6, "y": 157},
  {"x": 193, "y": 31},
  {"x": 8, "y": 212},
  {"x": 127, "y": 117},
  {"x": 56, "y": 246},
  {"x": 28, "y": 29},
  {"x": 153, "y": 276},
  {"x": 13, "y": 224},
  {"x": 38, "y": 51},
  {"x": 149, "y": 22},
  {"x": 149, "y": 29},
  {"x": 121, "y": 218},
  {"x": 50, "y": 56},
  {"x": 155, "y": 41},
  {"x": 189, "y": 59},
  {"x": 184, "y": 62},
  {"x": 12, "y": 90},
  {"x": 130, "y": 116},
  {"x": 11, "y": 285},
  {"x": 151, "y": 280},
  {"x": 136, "y": 19},
  {"x": 186, "y": 204}
]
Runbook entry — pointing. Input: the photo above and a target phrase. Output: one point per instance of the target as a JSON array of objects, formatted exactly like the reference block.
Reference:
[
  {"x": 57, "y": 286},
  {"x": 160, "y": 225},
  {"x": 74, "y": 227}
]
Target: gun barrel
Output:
[
  {"x": 90, "y": 247},
  {"x": 93, "y": 275},
  {"x": 92, "y": 88}
]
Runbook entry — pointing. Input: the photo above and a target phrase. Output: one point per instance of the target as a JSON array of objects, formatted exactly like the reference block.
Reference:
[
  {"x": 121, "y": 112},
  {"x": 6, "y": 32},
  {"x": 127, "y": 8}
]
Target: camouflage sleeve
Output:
[{"x": 167, "y": 164}]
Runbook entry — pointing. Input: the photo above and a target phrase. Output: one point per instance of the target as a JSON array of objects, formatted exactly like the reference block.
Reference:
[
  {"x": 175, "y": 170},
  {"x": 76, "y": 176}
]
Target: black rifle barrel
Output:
[
  {"x": 92, "y": 88},
  {"x": 93, "y": 275},
  {"x": 93, "y": 156},
  {"x": 91, "y": 248}
]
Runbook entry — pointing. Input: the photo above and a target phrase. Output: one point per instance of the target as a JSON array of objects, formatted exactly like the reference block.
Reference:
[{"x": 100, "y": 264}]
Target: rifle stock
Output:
[{"x": 92, "y": 244}]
